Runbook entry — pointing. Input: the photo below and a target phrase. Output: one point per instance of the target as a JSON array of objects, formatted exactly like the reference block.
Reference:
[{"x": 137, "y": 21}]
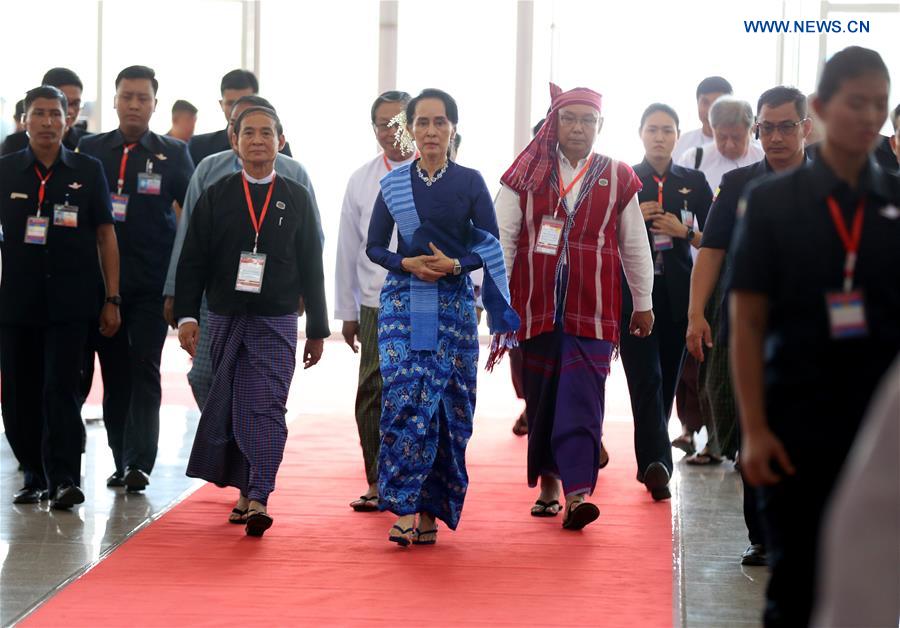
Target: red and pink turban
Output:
[{"x": 532, "y": 167}]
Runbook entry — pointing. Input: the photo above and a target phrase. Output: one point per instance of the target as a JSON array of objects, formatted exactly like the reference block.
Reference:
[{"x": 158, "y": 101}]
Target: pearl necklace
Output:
[{"x": 429, "y": 181}]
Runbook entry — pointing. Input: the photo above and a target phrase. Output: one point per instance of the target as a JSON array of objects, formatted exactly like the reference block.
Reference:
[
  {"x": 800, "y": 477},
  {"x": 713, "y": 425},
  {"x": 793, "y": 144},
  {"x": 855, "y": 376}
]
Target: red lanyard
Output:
[
  {"x": 125, "y": 150},
  {"x": 659, "y": 187},
  {"x": 564, "y": 191},
  {"x": 257, "y": 224},
  {"x": 850, "y": 241},
  {"x": 42, "y": 191}
]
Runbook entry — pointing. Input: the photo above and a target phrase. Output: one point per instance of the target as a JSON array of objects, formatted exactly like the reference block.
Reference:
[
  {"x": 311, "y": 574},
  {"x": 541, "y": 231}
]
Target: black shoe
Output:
[
  {"x": 28, "y": 495},
  {"x": 66, "y": 497},
  {"x": 135, "y": 480},
  {"x": 115, "y": 480},
  {"x": 754, "y": 556},
  {"x": 656, "y": 479}
]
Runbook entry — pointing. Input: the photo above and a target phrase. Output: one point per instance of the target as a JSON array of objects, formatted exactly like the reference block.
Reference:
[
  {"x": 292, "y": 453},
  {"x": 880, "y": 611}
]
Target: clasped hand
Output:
[
  {"x": 429, "y": 267},
  {"x": 662, "y": 222}
]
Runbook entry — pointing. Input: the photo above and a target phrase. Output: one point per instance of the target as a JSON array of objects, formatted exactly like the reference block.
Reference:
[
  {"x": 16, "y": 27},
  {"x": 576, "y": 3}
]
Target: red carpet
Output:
[{"x": 322, "y": 563}]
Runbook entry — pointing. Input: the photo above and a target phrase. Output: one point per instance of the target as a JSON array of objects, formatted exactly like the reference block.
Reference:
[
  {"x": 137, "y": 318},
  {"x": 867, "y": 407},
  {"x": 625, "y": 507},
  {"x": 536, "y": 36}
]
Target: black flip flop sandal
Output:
[
  {"x": 421, "y": 532},
  {"x": 603, "y": 451},
  {"x": 402, "y": 540},
  {"x": 365, "y": 504},
  {"x": 241, "y": 513},
  {"x": 545, "y": 509},
  {"x": 258, "y": 523},
  {"x": 581, "y": 515}
]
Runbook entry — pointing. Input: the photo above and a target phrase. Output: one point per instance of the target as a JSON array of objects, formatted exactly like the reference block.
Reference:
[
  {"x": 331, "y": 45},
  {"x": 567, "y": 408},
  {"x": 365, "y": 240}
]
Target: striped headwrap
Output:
[{"x": 532, "y": 167}]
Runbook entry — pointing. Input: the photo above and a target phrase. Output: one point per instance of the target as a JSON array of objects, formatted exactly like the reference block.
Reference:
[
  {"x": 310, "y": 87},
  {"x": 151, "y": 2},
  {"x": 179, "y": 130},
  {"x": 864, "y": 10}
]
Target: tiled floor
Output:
[{"x": 42, "y": 550}]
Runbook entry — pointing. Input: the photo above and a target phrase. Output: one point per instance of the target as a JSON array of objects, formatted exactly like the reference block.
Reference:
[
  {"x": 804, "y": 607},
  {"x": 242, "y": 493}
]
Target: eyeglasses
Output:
[
  {"x": 382, "y": 126},
  {"x": 570, "y": 120},
  {"x": 783, "y": 128}
]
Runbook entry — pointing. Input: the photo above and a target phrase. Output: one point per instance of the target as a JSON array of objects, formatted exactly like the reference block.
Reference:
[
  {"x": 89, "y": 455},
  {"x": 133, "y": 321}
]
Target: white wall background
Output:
[{"x": 318, "y": 64}]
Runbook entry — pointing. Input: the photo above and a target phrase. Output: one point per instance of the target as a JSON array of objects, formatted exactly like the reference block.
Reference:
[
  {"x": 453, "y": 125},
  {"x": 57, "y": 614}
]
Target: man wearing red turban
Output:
[{"x": 569, "y": 218}]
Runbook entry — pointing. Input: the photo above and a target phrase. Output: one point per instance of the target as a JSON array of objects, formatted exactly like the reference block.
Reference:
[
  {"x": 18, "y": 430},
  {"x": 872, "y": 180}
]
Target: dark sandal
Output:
[
  {"x": 365, "y": 504},
  {"x": 580, "y": 515},
  {"x": 520, "y": 427},
  {"x": 702, "y": 459},
  {"x": 545, "y": 509},
  {"x": 419, "y": 533},
  {"x": 402, "y": 540},
  {"x": 242, "y": 516},
  {"x": 258, "y": 522},
  {"x": 685, "y": 444}
]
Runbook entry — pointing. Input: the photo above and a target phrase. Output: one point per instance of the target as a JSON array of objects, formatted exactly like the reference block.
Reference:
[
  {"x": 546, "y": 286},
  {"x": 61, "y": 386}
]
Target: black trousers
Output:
[
  {"x": 792, "y": 511},
  {"x": 41, "y": 370},
  {"x": 129, "y": 365},
  {"x": 753, "y": 519},
  {"x": 652, "y": 367}
]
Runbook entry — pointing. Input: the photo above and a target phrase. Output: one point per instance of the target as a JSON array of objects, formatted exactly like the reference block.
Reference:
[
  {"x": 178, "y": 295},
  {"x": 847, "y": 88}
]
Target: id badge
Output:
[
  {"x": 659, "y": 266},
  {"x": 65, "y": 216},
  {"x": 149, "y": 183},
  {"x": 846, "y": 314},
  {"x": 687, "y": 218},
  {"x": 662, "y": 242},
  {"x": 549, "y": 236},
  {"x": 250, "y": 272},
  {"x": 36, "y": 230},
  {"x": 119, "y": 206}
]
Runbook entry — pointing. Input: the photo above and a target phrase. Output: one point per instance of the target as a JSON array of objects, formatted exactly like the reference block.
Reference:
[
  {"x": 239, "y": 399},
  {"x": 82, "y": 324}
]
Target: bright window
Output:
[
  {"x": 468, "y": 49},
  {"x": 190, "y": 45},
  {"x": 638, "y": 53},
  {"x": 319, "y": 68}
]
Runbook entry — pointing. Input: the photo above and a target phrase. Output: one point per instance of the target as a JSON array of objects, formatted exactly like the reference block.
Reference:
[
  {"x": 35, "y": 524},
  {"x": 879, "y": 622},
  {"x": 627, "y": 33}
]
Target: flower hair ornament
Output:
[{"x": 402, "y": 137}]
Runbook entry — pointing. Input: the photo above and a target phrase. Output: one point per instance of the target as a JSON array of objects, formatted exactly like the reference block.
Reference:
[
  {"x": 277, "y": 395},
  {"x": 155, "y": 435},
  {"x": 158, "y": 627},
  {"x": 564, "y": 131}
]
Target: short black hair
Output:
[
  {"x": 714, "y": 85},
  {"x": 20, "y": 110},
  {"x": 265, "y": 110},
  {"x": 46, "y": 91},
  {"x": 895, "y": 118},
  {"x": 781, "y": 95},
  {"x": 389, "y": 96},
  {"x": 537, "y": 127},
  {"x": 183, "y": 105},
  {"x": 254, "y": 100},
  {"x": 851, "y": 62},
  {"x": 239, "y": 79},
  {"x": 449, "y": 104},
  {"x": 57, "y": 77},
  {"x": 138, "y": 72},
  {"x": 659, "y": 107}
]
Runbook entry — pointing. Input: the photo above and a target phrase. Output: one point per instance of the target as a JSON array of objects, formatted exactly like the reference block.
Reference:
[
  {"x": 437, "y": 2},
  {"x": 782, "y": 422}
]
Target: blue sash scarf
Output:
[{"x": 396, "y": 188}]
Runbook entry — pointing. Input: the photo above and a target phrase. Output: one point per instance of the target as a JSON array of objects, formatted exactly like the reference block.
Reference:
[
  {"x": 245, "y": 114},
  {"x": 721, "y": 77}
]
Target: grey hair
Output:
[{"x": 730, "y": 111}]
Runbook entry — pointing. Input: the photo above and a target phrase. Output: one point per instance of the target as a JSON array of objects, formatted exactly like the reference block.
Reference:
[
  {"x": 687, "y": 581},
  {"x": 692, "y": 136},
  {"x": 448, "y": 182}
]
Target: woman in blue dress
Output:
[{"x": 427, "y": 328}]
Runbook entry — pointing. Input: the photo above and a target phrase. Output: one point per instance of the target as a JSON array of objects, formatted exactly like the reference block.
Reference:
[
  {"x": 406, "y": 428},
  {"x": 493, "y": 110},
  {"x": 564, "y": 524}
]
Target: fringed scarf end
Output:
[{"x": 500, "y": 344}]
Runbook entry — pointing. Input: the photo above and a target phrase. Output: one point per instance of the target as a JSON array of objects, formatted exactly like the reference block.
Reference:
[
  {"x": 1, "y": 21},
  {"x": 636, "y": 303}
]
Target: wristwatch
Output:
[
  {"x": 457, "y": 267},
  {"x": 690, "y": 235},
  {"x": 115, "y": 299}
]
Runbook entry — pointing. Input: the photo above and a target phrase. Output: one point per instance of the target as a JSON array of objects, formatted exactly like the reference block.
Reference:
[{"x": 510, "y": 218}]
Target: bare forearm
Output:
[
  {"x": 703, "y": 279},
  {"x": 108, "y": 249},
  {"x": 748, "y": 329}
]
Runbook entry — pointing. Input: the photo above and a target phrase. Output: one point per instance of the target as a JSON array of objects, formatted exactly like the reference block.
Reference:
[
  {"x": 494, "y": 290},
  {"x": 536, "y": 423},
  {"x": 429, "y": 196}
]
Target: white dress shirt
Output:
[
  {"x": 688, "y": 140},
  {"x": 634, "y": 245},
  {"x": 358, "y": 280},
  {"x": 714, "y": 164}
]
